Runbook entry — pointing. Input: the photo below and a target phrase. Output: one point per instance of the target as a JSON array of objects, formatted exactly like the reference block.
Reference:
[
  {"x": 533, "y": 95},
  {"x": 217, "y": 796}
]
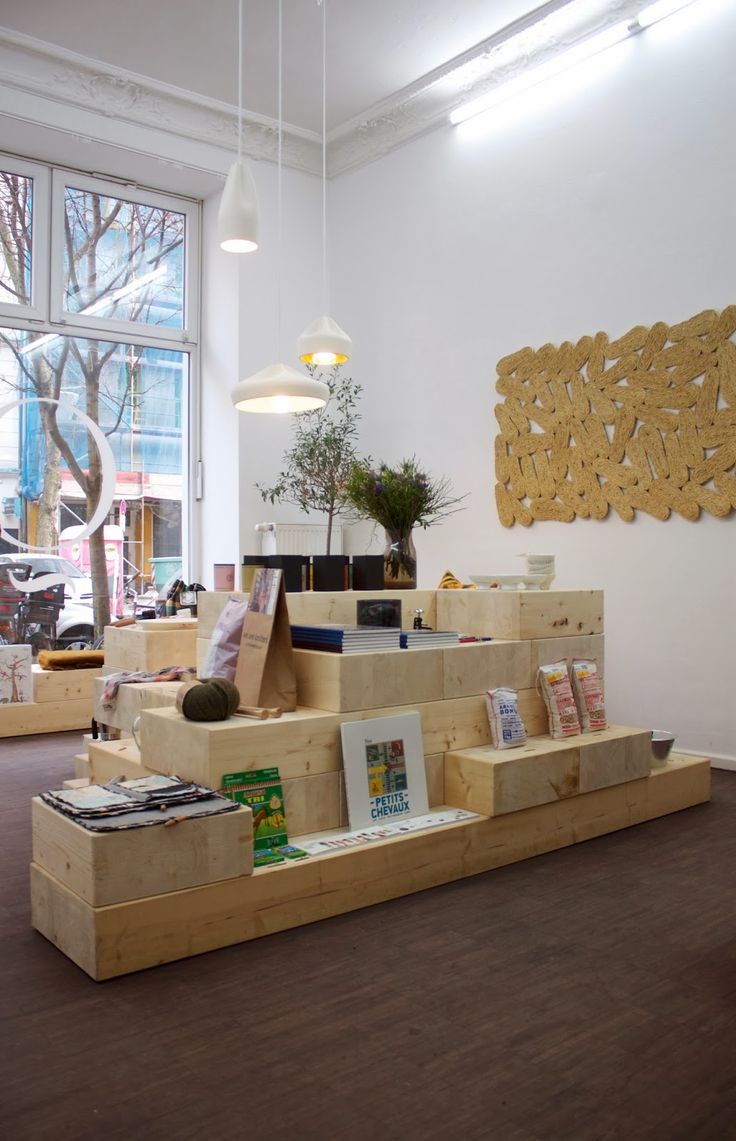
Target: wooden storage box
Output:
[
  {"x": 497, "y": 781},
  {"x": 120, "y": 938},
  {"x": 112, "y": 867},
  {"x": 151, "y": 645},
  {"x": 521, "y": 614}
]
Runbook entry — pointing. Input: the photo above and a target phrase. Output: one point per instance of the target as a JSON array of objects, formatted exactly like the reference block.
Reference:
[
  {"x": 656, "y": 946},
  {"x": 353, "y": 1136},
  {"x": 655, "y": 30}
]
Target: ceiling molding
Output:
[
  {"x": 37, "y": 68},
  {"x": 426, "y": 104},
  {"x": 31, "y": 66}
]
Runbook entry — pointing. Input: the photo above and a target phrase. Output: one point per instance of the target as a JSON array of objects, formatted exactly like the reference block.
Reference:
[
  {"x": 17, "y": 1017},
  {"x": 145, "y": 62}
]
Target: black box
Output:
[
  {"x": 367, "y": 572},
  {"x": 330, "y": 572},
  {"x": 295, "y": 568}
]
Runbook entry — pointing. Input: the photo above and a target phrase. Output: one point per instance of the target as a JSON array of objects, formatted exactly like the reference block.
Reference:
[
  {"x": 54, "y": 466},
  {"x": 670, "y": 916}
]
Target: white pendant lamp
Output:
[
  {"x": 279, "y": 388},
  {"x": 237, "y": 219},
  {"x": 324, "y": 343}
]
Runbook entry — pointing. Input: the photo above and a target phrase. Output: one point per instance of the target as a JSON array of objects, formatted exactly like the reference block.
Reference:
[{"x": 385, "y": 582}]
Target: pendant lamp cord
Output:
[
  {"x": 240, "y": 80},
  {"x": 279, "y": 196},
  {"x": 325, "y": 283}
]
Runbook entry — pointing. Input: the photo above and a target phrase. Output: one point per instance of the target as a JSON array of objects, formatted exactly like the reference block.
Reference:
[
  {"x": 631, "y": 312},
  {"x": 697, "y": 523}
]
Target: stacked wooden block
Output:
[
  {"x": 529, "y": 800},
  {"x": 62, "y": 700}
]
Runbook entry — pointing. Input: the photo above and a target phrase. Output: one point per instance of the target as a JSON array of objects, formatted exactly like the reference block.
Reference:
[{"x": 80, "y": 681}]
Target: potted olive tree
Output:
[{"x": 315, "y": 468}]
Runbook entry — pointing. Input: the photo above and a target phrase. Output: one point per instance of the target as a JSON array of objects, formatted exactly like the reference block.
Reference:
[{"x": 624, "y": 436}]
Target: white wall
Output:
[
  {"x": 294, "y": 288},
  {"x": 610, "y": 205}
]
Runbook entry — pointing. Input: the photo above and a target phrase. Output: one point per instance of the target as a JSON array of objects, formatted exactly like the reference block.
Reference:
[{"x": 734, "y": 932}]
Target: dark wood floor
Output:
[{"x": 585, "y": 995}]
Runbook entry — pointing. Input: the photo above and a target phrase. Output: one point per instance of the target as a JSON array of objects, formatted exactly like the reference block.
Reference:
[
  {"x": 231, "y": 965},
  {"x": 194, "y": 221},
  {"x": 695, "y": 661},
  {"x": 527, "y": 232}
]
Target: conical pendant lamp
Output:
[
  {"x": 279, "y": 388},
  {"x": 324, "y": 343},
  {"x": 237, "y": 219}
]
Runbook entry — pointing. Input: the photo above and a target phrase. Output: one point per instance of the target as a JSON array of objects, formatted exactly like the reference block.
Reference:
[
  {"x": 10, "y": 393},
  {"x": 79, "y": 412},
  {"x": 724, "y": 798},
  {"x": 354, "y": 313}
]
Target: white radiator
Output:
[{"x": 299, "y": 538}]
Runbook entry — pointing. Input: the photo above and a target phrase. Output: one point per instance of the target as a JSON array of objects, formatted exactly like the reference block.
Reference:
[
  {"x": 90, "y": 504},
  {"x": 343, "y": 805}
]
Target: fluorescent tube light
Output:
[{"x": 546, "y": 71}]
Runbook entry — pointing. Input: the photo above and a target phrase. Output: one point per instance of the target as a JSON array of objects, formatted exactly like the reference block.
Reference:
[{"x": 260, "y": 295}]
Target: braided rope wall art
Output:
[{"x": 643, "y": 423}]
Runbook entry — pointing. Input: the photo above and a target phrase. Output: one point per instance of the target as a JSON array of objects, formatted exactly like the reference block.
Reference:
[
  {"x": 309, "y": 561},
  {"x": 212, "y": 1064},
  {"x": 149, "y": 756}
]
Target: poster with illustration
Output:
[
  {"x": 385, "y": 779},
  {"x": 16, "y": 678}
]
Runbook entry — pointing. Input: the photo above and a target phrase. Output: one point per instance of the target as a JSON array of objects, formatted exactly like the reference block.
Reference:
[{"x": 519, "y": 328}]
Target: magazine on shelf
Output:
[
  {"x": 385, "y": 778},
  {"x": 420, "y": 639},
  {"x": 345, "y": 639}
]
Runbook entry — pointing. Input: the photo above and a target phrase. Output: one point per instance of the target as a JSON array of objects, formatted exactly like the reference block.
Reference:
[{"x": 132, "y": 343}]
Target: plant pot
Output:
[
  {"x": 367, "y": 572},
  {"x": 399, "y": 561},
  {"x": 295, "y": 570},
  {"x": 330, "y": 572}
]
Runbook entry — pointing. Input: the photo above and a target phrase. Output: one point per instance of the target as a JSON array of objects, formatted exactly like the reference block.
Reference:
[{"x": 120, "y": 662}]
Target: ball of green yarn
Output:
[{"x": 213, "y": 699}]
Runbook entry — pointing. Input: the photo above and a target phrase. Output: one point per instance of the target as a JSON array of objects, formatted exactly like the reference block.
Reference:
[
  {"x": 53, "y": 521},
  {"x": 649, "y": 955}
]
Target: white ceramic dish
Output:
[{"x": 511, "y": 581}]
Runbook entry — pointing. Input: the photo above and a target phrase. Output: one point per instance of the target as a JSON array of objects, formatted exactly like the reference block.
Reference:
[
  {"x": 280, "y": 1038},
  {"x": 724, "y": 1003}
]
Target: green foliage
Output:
[
  {"x": 317, "y": 465},
  {"x": 399, "y": 498}
]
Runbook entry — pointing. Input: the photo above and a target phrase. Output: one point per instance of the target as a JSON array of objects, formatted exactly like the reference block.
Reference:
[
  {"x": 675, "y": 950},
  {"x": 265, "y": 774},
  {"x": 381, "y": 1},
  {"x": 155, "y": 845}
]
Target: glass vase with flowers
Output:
[{"x": 399, "y": 499}]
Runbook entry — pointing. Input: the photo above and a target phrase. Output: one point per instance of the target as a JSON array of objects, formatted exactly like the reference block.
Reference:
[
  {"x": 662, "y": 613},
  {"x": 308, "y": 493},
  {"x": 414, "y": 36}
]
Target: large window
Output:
[{"x": 98, "y": 305}]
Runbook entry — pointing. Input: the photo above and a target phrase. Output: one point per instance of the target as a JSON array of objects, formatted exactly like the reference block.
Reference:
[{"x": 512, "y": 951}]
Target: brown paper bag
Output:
[{"x": 265, "y": 675}]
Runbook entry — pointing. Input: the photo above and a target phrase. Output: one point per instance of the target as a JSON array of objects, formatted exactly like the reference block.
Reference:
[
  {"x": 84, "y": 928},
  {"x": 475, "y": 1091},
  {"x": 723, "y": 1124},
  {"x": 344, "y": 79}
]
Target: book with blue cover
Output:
[{"x": 345, "y": 639}]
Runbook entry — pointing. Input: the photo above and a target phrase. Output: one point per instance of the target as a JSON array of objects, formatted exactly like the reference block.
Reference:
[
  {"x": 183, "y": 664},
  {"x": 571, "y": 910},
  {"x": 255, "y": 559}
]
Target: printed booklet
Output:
[{"x": 385, "y": 779}]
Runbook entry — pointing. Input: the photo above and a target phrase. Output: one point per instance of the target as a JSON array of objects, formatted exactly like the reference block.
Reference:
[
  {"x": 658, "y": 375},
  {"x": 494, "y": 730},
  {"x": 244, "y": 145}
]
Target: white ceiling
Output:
[{"x": 375, "y": 48}]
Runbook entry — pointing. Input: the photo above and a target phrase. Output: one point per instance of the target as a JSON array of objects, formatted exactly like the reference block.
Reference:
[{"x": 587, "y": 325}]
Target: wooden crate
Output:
[
  {"x": 151, "y": 645},
  {"x": 130, "y": 700},
  {"x": 120, "y": 938},
  {"x": 498, "y": 781},
  {"x": 521, "y": 614},
  {"x": 347, "y": 683},
  {"x": 111, "y": 867}
]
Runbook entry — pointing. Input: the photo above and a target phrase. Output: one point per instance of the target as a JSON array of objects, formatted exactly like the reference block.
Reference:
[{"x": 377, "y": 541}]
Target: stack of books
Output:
[
  {"x": 421, "y": 639},
  {"x": 346, "y": 639}
]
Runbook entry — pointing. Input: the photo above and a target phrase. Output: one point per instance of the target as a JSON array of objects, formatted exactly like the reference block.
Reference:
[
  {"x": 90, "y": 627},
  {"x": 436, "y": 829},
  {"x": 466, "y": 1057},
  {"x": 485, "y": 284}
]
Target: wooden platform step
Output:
[{"x": 120, "y": 938}]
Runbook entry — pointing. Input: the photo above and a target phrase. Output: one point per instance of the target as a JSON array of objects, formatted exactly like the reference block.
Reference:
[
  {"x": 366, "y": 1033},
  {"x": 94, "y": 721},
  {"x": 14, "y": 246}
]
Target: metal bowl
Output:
[{"x": 662, "y": 742}]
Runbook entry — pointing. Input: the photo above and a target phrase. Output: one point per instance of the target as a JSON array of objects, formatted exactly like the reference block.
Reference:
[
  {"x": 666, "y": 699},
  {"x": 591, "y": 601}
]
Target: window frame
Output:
[
  {"x": 41, "y": 237},
  {"x": 40, "y": 318},
  {"x": 124, "y": 330}
]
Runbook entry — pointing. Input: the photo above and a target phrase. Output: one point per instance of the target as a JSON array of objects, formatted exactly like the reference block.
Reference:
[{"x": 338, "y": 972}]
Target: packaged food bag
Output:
[
  {"x": 507, "y": 727},
  {"x": 587, "y": 686},
  {"x": 553, "y": 682},
  {"x": 222, "y": 653}
]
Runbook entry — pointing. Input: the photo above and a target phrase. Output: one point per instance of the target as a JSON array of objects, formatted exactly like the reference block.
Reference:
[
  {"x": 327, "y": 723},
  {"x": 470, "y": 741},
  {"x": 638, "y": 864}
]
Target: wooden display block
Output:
[
  {"x": 130, "y": 700},
  {"x": 313, "y": 803},
  {"x": 31, "y": 717},
  {"x": 546, "y": 650},
  {"x": 521, "y": 614},
  {"x": 210, "y": 604},
  {"x": 107, "y": 760},
  {"x": 81, "y": 766},
  {"x": 117, "y": 939},
  {"x": 111, "y": 867},
  {"x": 301, "y": 743},
  {"x": 309, "y": 607},
  {"x": 65, "y": 685},
  {"x": 497, "y": 781},
  {"x": 151, "y": 645},
  {"x": 346, "y": 683},
  {"x": 477, "y": 666},
  {"x": 202, "y": 645}
]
